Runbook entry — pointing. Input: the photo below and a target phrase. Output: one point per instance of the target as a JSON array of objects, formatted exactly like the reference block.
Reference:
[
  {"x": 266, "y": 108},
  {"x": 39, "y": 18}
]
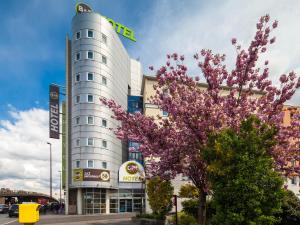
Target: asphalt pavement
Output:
[{"x": 108, "y": 219}]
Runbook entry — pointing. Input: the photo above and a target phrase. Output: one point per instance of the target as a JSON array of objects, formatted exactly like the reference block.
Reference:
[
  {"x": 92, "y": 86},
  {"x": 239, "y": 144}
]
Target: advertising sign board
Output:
[
  {"x": 91, "y": 175},
  {"x": 54, "y": 111}
]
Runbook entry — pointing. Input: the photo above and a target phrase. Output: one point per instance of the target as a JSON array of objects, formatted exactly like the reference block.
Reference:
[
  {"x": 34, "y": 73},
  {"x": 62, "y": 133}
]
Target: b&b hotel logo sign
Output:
[{"x": 131, "y": 172}]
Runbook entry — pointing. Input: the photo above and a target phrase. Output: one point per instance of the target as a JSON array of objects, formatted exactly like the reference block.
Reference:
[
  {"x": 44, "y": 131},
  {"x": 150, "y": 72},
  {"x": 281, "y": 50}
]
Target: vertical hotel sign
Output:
[{"x": 54, "y": 111}]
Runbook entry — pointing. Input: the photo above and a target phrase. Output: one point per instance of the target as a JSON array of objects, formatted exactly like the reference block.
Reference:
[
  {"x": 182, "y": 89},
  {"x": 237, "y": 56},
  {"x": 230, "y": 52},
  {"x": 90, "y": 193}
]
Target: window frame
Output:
[
  {"x": 104, "y": 57},
  {"x": 87, "y": 33},
  {"x": 77, "y": 99},
  {"x": 87, "y": 141},
  {"x": 78, "y": 54},
  {"x": 87, "y": 76},
  {"x": 87, "y": 120},
  {"x": 78, "y": 32},
  {"x": 104, "y": 78},
  {"x": 76, "y": 76},
  {"x": 103, "y": 38},
  {"x": 77, "y": 120},
  {"x": 104, "y": 141},
  {"x": 87, "y": 98},
  {"x": 104, "y": 163},
  {"x": 87, "y": 54},
  {"x": 77, "y": 163},
  {"x": 87, "y": 163},
  {"x": 102, "y": 120}
]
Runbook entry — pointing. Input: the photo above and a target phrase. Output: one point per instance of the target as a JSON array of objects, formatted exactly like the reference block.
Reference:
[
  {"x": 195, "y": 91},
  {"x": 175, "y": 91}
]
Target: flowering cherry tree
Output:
[{"x": 196, "y": 110}]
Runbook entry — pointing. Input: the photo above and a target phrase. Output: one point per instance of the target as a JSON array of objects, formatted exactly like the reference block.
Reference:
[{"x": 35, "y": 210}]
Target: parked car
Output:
[
  {"x": 3, "y": 208},
  {"x": 13, "y": 210}
]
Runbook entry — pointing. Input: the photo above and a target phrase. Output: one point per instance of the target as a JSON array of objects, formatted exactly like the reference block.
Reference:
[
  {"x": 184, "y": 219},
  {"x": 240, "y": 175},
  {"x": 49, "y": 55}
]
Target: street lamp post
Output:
[
  {"x": 50, "y": 168},
  {"x": 59, "y": 186}
]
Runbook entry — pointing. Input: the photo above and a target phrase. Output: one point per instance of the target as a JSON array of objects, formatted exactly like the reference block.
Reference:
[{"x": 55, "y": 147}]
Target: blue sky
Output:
[{"x": 32, "y": 44}]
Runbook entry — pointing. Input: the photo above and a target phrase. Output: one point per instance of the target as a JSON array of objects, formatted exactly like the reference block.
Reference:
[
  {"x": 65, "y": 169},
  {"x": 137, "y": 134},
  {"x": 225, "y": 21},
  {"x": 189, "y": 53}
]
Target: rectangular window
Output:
[
  {"x": 104, "y": 123},
  {"x": 90, "y": 163},
  {"x": 78, "y": 142},
  {"x": 104, "y": 165},
  {"x": 104, "y": 59},
  {"x": 90, "y": 98},
  {"x": 90, "y": 76},
  {"x": 78, "y": 99},
  {"x": 78, "y": 164},
  {"x": 90, "y": 55},
  {"x": 104, "y": 38},
  {"x": 77, "y": 79},
  {"x": 90, "y": 141},
  {"x": 104, "y": 143},
  {"x": 165, "y": 113},
  {"x": 77, "y": 120},
  {"x": 90, "y": 34},
  {"x": 78, "y": 35},
  {"x": 90, "y": 120},
  {"x": 78, "y": 56},
  {"x": 104, "y": 80},
  {"x": 294, "y": 180}
]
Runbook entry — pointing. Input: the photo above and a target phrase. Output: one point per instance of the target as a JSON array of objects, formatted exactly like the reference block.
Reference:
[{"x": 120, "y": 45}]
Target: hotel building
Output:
[{"x": 97, "y": 66}]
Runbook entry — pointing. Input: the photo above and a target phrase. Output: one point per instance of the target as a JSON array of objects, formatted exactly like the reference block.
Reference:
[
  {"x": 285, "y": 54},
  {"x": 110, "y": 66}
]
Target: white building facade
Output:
[{"x": 98, "y": 66}]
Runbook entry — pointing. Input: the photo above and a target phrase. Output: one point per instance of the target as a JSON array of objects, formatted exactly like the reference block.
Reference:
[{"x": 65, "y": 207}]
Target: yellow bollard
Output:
[{"x": 29, "y": 213}]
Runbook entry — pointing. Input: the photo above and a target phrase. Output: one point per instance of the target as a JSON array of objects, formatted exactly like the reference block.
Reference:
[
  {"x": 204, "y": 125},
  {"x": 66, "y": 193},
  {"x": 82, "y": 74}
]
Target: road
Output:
[{"x": 109, "y": 219}]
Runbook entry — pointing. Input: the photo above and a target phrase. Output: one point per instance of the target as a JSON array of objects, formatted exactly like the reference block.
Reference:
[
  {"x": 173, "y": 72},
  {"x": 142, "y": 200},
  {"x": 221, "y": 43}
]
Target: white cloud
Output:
[
  {"x": 186, "y": 27},
  {"x": 24, "y": 162}
]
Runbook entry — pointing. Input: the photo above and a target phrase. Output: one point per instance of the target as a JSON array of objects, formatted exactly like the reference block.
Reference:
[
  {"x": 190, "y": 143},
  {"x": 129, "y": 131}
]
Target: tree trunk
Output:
[{"x": 202, "y": 208}]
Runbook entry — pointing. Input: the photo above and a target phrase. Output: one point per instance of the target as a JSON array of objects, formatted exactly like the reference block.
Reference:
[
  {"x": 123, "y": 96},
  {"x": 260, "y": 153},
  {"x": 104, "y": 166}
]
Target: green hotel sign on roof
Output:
[{"x": 118, "y": 27}]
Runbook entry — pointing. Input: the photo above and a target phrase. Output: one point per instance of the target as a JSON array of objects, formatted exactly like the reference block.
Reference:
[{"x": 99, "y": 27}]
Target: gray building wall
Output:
[{"x": 116, "y": 71}]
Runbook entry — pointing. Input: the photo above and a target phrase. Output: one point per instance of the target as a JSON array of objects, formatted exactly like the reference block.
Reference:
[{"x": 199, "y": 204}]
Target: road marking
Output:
[{"x": 8, "y": 222}]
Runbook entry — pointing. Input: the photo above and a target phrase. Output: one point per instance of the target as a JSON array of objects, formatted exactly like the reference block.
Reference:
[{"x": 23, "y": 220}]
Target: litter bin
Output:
[{"x": 29, "y": 213}]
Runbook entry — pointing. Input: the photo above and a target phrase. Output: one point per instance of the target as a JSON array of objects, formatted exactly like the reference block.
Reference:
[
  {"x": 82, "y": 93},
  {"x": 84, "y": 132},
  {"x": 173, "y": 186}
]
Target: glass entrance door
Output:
[{"x": 125, "y": 205}]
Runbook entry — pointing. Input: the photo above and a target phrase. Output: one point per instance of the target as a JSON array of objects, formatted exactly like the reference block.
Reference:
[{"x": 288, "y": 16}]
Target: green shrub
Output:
[
  {"x": 160, "y": 193},
  {"x": 191, "y": 207},
  {"x": 183, "y": 219},
  {"x": 290, "y": 209}
]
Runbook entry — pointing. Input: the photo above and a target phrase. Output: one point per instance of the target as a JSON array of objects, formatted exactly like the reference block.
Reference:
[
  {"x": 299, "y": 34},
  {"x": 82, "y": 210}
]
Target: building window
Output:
[
  {"x": 78, "y": 35},
  {"x": 77, "y": 120},
  {"x": 78, "y": 99},
  {"x": 78, "y": 142},
  {"x": 90, "y": 141},
  {"x": 90, "y": 120},
  {"x": 104, "y": 143},
  {"x": 104, "y": 123},
  {"x": 165, "y": 113},
  {"x": 90, "y": 163},
  {"x": 77, "y": 56},
  {"x": 104, "y": 80},
  {"x": 90, "y": 55},
  {"x": 104, "y": 165},
  {"x": 294, "y": 180},
  {"x": 90, "y": 98},
  {"x": 104, "y": 59},
  {"x": 90, "y": 34},
  {"x": 90, "y": 76},
  {"x": 77, "y": 78},
  {"x": 78, "y": 164},
  {"x": 104, "y": 38}
]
